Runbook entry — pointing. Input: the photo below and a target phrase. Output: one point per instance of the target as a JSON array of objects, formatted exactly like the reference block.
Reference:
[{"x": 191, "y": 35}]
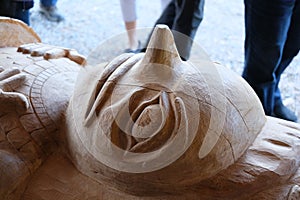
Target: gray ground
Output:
[{"x": 221, "y": 34}]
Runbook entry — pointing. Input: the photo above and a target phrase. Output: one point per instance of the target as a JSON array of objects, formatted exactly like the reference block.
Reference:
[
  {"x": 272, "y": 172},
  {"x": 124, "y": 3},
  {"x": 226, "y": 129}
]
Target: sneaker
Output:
[
  {"x": 51, "y": 13},
  {"x": 137, "y": 50},
  {"x": 281, "y": 111}
]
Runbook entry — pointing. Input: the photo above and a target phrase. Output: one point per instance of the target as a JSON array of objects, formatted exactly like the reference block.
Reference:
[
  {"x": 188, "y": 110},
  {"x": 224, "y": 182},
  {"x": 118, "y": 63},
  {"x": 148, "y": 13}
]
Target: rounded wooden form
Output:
[
  {"x": 152, "y": 122},
  {"x": 15, "y": 32}
]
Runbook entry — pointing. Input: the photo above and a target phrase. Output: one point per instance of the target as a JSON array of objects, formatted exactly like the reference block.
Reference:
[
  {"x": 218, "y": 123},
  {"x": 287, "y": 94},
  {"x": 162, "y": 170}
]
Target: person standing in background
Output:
[
  {"x": 272, "y": 41},
  {"x": 49, "y": 10},
  {"x": 19, "y": 9},
  {"x": 183, "y": 17},
  {"x": 128, "y": 8}
]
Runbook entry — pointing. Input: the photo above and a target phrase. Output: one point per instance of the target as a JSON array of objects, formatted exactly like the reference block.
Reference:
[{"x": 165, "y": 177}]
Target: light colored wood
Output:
[
  {"x": 15, "y": 33},
  {"x": 202, "y": 121},
  {"x": 263, "y": 172},
  {"x": 141, "y": 127},
  {"x": 34, "y": 94},
  {"x": 51, "y": 52}
]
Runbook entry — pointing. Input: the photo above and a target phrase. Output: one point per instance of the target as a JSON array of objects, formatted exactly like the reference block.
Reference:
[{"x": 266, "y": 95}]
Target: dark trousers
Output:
[
  {"x": 183, "y": 18},
  {"x": 272, "y": 41},
  {"x": 48, "y": 3},
  {"x": 19, "y": 9},
  {"x": 16, "y": 9}
]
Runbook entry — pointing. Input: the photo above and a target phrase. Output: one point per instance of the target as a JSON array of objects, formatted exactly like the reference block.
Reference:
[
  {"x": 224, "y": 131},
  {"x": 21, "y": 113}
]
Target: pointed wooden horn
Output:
[{"x": 161, "y": 48}]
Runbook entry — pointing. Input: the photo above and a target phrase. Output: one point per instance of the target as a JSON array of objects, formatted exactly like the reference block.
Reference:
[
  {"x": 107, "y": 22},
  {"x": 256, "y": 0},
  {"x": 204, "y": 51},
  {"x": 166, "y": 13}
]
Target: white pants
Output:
[{"x": 128, "y": 8}]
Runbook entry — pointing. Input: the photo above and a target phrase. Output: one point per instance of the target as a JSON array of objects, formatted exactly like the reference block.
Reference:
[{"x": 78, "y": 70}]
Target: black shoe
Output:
[{"x": 283, "y": 112}]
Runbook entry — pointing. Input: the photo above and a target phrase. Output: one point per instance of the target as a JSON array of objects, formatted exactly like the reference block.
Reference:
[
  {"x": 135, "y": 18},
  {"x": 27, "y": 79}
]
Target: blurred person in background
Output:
[
  {"x": 128, "y": 8},
  {"x": 272, "y": 41},
  {"x": 184, "y": 18},
  {"x": 19, "y": 9},
  {"x": 49, "y": 10}
]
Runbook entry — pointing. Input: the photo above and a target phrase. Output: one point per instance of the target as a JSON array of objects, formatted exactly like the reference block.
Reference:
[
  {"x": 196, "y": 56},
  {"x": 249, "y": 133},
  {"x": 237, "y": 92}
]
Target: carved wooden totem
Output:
[
  {"x": 143, "y": 126},
  {"x": 153, "y": 125},
  {"x": 34, "y": 93}
]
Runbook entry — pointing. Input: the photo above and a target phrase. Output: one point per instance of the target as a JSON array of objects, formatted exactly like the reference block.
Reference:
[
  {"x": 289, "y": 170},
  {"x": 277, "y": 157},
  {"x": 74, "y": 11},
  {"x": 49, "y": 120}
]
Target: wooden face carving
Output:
[{"x": 151, "y": 121}]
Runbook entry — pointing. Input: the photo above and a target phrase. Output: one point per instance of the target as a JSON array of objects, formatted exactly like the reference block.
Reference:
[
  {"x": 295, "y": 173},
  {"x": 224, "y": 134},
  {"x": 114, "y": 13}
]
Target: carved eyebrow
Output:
[{"x": 107, "y": 81}]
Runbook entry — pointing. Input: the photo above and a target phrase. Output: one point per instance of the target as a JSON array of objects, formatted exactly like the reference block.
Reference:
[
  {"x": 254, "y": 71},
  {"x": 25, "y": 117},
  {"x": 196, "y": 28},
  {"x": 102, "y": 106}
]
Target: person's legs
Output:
[
  {"x": 188, "y": 16},
  {"x": 16, "y": 9},
  {"x": 168, "y": 15},
  {"x": 267, "y": 24},
  {"x": 292, "y": 44},
  {"x": 183, "y": 18},
  {"x": 128, "y": 8},
  {"x": 22, "y": 15},
  {"x": 291, "y": 49},
  {"x": 49, "y": 9}
]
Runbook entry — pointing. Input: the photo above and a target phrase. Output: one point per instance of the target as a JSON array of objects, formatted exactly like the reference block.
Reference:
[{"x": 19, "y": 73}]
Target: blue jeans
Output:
[
  {"x": 16, "y": 9},
  {"x": 272, "y": 41},
  {"x": 48, "y": 3},
  {"x": 22, "y": 15}
]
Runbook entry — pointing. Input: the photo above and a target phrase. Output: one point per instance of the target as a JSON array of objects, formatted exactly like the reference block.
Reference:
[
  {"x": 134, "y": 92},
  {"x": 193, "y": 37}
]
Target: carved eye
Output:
[
  {"x": 141, "y": 120},
  {"x": 155, "y": 118}
]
